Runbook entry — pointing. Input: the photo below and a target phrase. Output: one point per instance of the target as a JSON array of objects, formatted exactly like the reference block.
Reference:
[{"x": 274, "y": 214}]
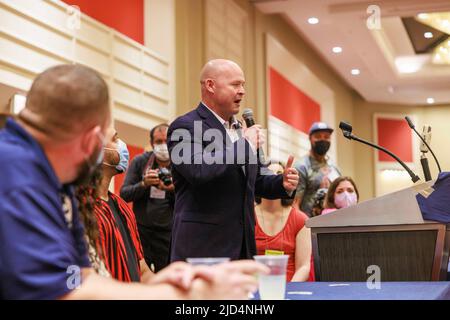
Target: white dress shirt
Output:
[{"x": 232, "y": 132}]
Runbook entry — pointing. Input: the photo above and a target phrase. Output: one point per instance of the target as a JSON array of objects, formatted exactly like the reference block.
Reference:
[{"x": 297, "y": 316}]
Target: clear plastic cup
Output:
[
  {"x": 207, "y": 261},
  {"x": 273, "y": 285}
]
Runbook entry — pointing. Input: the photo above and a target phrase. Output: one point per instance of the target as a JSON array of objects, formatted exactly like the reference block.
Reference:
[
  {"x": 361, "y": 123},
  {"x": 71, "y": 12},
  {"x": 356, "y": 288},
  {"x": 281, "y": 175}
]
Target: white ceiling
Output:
[{"x": 377, "y": 53}]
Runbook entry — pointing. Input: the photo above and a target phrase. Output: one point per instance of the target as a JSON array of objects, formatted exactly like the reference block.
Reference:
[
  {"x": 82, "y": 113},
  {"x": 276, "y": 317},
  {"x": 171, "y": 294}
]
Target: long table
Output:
[{"x": 360, "y": 291}]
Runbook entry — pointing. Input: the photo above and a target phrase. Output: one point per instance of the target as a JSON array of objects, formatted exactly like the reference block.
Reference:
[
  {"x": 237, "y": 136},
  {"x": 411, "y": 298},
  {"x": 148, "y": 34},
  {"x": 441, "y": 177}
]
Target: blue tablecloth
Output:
[{"x": 360, "y": 291}]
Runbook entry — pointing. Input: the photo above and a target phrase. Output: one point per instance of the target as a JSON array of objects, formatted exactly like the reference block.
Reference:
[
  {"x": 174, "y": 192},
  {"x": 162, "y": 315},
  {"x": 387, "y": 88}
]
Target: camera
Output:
[
  {"x": 165, "y": 176},
  {"x": 319, "y": 201}
]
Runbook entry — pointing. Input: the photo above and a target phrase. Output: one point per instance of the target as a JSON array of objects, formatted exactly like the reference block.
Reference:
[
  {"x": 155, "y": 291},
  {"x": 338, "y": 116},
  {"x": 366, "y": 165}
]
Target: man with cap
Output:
[{"x": 315, "y": 169}]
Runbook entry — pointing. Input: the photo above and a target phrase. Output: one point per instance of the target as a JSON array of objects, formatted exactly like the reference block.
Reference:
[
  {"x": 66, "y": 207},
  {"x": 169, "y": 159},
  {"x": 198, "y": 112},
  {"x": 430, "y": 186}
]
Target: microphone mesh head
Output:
[
  {"x": 344, "y": 126},
  {"x": 247, "y": 113}
]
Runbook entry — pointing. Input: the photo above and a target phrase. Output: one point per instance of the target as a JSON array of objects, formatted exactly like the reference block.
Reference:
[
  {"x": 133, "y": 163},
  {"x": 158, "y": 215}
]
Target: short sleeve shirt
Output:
[
  {"x": 42, "y": 244},
  {"x": 312, "y": 177}
]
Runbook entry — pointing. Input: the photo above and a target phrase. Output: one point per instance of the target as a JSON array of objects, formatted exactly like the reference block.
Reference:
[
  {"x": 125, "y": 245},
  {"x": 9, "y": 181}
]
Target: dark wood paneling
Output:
[{"x": 401, "y": 255}]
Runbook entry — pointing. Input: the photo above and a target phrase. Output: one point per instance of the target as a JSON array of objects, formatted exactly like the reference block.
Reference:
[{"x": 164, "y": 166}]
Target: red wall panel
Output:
[
  {"x": 126, "y": 17},
  {"x": 394, "y": 135},
  {"x": 291, "y": 105}
]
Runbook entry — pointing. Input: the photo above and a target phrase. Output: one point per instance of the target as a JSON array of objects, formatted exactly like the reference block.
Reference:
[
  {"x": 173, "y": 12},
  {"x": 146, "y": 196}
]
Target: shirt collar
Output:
[
  {"x": 221, "y": 120},
  {"x": 18, "y": 132}
]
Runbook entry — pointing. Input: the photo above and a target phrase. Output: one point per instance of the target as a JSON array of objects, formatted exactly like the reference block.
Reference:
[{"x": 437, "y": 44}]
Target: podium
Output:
[{"x": 387, "y": 232}]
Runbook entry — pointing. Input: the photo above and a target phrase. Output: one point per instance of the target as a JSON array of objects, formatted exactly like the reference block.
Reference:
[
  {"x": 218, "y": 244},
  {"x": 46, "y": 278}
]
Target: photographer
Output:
[{"x": 148, "y": 184}]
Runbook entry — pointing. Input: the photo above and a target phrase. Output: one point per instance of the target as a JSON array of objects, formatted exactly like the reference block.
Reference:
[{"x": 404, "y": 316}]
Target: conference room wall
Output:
[
  {"x": 436, "y": 116},
  {"x": 278, "y": 28},
  {"x": 354, "y": 159},
  {"x": 191, "y": 55}
]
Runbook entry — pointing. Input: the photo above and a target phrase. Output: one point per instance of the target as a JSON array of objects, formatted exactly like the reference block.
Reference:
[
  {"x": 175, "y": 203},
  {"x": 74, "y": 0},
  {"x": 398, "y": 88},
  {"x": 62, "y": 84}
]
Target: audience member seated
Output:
[
  {"x": 118, "y": 242},
  {"x": 280, "y": 230},
  {"x": 342, "y": 193}
]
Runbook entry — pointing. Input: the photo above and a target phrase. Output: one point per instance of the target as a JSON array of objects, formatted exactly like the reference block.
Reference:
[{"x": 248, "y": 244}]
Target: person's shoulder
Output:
[
  {"x": 299, "y": 217},
  {"x": 185, "y": 121},
  {"x": 117, "y": 198},
  {"x": 303, "y": 162},
  {"x": 123, "y": 205},
  {"x": 142, "y": 157},
  {"x": 19, "y": 166}
]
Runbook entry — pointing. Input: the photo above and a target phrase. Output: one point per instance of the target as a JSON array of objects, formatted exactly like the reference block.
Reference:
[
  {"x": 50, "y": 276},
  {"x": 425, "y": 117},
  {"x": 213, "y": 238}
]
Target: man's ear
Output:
[
  {"x": 210, "y": 85},
  {"x": 90, "y": 140}
]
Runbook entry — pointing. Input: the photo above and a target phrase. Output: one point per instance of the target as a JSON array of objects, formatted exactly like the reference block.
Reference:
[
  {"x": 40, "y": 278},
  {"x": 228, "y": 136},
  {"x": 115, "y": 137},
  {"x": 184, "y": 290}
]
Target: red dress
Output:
[{"x": 283, "y": 240}]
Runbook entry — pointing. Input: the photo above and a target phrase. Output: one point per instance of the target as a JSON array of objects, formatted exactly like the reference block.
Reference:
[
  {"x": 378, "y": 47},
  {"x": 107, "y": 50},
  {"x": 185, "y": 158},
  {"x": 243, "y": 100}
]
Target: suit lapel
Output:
[{"x": 211, "y": 121}]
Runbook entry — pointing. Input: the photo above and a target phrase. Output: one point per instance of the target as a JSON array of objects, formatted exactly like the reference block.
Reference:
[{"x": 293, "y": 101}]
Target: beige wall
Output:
[
  {"x": 363, "y": 127},
  {"x": 190, "y": 57},
  {"x": 436, "y": 116},
  {"x": 354, "y": 159},
  {"x": 189, "y": 53},
  {"x": 278, "y": 28}
]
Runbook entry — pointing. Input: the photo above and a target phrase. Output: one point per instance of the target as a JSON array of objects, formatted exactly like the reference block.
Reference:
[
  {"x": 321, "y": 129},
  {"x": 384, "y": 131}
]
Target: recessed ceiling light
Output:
[
  {"x": 422, "y": 15},
  {"x": 355, "y": 72},
  {"x": 428, "y": 35},
  {"x": 430, "y": 100},
  {"x": 410, "y": 64},
  {"x": 313, "y": 20},
  {"x": 337, "y": 49}
]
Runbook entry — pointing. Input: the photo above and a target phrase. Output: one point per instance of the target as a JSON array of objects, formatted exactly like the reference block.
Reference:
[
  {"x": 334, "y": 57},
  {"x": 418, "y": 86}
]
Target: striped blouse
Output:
[{"x": 111, "y": 243}]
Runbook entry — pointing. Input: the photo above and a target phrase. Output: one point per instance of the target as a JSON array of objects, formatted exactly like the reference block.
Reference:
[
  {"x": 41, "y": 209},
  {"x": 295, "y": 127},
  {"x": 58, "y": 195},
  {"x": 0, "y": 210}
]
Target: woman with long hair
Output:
[
  {"x": 280, "y": 229},
  {"x": 342, "y": 193}
]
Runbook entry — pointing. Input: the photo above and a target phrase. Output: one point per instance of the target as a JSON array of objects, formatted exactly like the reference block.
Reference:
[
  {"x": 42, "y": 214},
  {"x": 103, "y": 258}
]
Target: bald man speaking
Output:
[{"x": 216, "y": 171}]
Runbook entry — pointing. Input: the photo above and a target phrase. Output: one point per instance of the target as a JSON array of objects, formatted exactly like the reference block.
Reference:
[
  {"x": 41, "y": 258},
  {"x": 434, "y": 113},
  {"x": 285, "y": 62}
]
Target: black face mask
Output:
[{"x": 321, "y": 147}]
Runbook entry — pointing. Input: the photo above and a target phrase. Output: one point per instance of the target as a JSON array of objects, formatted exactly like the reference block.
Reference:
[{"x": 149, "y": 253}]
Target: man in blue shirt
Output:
[{"x": 57, "y": 142}]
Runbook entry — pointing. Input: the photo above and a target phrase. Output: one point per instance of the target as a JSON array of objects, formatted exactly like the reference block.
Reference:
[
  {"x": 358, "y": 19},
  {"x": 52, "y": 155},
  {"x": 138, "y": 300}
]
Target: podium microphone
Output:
[
  {"x": 426, "y": 134},
  {"x": 347, "y": 131},
  {"x": 247, "y": 115},
  {"x": 427, "y": 137}
]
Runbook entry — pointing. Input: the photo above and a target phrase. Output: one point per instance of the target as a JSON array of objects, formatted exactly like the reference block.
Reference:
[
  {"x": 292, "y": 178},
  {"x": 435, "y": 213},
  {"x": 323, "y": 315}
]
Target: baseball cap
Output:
[{"x": 320, "y": 126}]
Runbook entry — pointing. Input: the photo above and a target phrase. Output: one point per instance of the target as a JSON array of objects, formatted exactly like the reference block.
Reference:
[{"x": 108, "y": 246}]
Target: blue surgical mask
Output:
[{"x": 124, "y": 156}]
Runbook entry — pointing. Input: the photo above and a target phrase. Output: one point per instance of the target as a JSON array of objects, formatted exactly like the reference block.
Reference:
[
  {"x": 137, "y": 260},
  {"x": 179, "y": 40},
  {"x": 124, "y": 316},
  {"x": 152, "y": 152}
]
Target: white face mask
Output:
[
  {"x": 345, "y": 199},
  {"x": 161, "y": 152}
]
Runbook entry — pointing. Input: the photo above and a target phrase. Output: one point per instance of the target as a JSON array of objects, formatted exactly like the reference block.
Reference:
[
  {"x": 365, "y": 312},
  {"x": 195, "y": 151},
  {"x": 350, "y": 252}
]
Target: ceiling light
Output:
[
  {"x": 422, "y": 16},
  {"x": 313, "y": 20},
  {"x": 410, "y": 64},
  {"x": 355, "y": 72},
  {"x": 438, "y": 20},
  {"x": 337, "y": 49},
  {"x": 430, "y": 100},
  {"x": 428, "y": 35}
]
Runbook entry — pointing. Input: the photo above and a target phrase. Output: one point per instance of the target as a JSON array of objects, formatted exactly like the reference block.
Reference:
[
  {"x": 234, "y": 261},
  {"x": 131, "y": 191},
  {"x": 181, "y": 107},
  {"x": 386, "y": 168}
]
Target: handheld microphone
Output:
[
  {"x": 347, "y": 131},
  {"x": 413, "y": 127},
  {"x": 247, "y": 115}
]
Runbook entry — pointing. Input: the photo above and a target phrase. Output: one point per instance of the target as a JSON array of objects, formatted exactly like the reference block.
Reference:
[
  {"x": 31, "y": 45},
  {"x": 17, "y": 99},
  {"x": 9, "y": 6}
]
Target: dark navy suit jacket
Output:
[{"x": 214, "y": 203}]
